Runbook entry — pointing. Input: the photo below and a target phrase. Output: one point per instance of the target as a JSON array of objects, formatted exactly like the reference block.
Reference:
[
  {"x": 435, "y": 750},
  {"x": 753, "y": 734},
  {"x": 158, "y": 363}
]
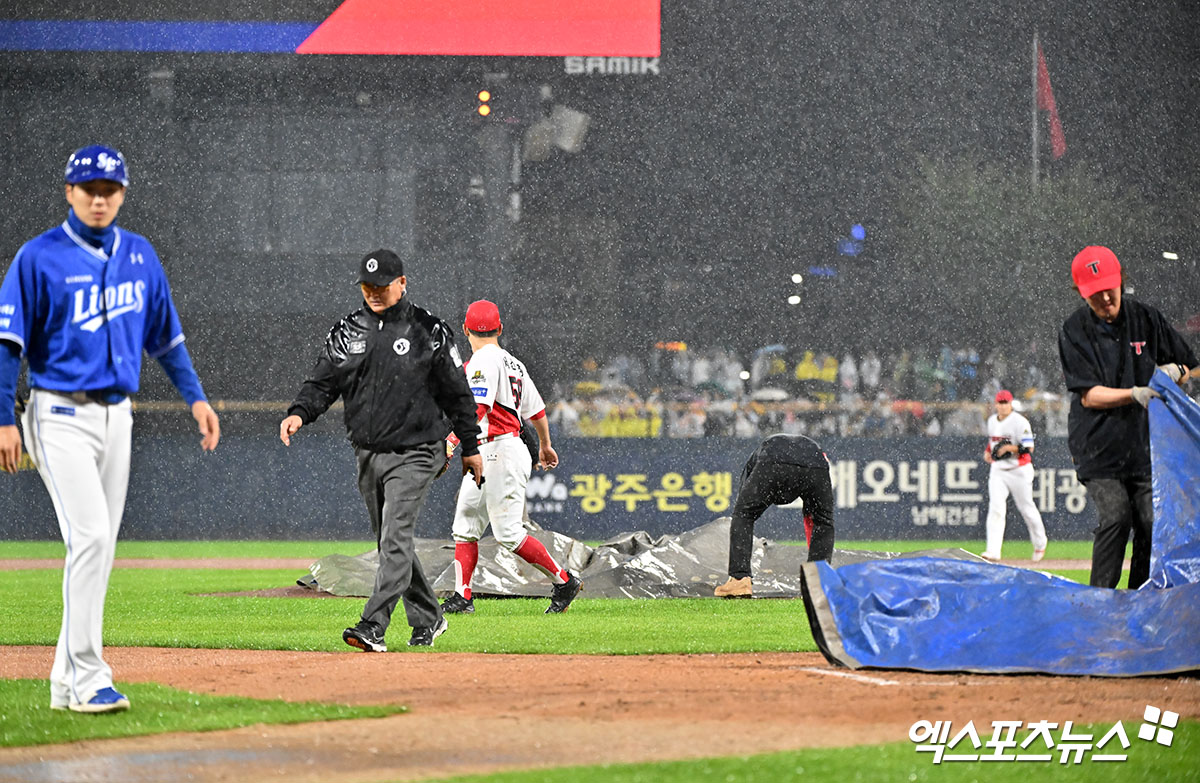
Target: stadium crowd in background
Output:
[{"x": 679, "y": 392}]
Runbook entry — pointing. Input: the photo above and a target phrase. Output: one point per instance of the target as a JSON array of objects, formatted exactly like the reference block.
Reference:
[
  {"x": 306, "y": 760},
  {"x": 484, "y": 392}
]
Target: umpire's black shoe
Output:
[
  {"x": 423, "y": 637},
  {"x": 365, "y": 636},
  {"x": 456, "y": 604},
  {"x": 562, "y": 595}
]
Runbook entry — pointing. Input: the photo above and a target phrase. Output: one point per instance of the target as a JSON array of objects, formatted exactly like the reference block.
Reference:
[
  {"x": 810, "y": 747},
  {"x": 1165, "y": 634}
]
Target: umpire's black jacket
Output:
[{"x": 400, "y": 377}]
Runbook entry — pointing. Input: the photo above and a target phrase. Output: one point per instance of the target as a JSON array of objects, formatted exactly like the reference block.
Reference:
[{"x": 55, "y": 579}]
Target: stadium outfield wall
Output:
[{"x": 254, "y": 488}]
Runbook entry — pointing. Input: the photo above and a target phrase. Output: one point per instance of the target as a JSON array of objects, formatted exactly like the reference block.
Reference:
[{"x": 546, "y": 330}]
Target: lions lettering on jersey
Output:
[
  {"x": 128, "y": 297},
  {"x": 100, "y": 311}
]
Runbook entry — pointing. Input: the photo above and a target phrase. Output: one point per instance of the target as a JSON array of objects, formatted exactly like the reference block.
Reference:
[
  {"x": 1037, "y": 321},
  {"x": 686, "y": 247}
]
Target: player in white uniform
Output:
[
  {"x": 1010, "y": 453},
  {"x": 505, "y": 396},
  {"x": 83, "y": 301}
]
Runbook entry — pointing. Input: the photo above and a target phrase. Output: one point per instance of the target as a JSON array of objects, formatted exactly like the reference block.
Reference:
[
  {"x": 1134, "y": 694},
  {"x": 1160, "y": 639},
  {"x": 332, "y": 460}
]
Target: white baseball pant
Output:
[
  {"x": 82, "y": 454},
  {"x": 501, "y": 499},
  {"x": 1017, "y": 482}
]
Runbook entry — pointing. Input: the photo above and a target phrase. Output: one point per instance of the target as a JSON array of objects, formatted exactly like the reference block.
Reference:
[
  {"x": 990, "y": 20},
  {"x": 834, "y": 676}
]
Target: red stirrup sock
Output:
[
  {"x": 532, "y": 551},
  {"x": 466, "y": 555}
]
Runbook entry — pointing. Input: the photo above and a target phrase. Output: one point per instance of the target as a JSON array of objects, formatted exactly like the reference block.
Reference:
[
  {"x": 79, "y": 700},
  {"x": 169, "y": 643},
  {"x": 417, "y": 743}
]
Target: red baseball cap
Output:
[
  {"x": 482, "y": 316},
  {"x": 1004, "y": 395},
  {"x": 1095, "y": 268}
]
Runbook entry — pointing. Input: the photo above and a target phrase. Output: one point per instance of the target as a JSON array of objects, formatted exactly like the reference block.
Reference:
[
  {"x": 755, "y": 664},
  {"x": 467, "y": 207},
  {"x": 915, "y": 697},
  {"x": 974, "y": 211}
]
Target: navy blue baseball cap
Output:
[{"x": 96, "y": 162}]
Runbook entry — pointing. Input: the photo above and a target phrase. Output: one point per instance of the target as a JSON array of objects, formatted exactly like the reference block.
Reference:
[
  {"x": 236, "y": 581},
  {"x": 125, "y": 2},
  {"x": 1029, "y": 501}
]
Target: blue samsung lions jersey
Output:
[{"x": 83, "y": 318}]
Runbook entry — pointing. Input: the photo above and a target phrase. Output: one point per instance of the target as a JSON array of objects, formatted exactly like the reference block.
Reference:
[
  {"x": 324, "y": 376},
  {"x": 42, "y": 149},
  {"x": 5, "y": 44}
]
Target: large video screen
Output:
[{"x": 552, "y": 28}]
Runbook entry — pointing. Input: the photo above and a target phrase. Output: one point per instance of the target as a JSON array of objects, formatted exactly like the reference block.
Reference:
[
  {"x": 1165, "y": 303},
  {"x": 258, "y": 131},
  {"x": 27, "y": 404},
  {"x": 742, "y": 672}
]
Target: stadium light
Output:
[
  {"x": 797, "y": 278},
  {"x": 1167, "y": 254},
  {"x": 485, "y": 102},
  {"x": 794, "y": 299}
]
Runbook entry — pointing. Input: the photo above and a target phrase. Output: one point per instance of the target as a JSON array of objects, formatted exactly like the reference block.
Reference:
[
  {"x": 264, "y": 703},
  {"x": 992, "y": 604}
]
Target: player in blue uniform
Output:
[{"x": 82, "y": 302}]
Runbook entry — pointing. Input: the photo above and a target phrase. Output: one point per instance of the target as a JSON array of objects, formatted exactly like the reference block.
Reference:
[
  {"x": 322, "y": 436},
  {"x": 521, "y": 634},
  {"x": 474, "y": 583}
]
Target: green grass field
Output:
[
  {"x": 169, "y": 608},
  {"x": 885, "y": 763},
  {"x": 140, "y": 599},
  {"x": 26, "y": 718}
]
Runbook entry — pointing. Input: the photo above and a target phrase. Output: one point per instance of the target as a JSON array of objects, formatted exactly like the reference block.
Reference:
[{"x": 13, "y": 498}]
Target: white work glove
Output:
[
  {"x": 1176, "y": 372},
  {"x": 1142, "y": 395}
]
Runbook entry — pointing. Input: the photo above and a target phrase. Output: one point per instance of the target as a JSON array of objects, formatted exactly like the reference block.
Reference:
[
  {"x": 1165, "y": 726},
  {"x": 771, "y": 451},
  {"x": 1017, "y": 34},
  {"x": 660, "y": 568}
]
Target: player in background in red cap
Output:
[
  {"x": 505, "y": 396},
  {"x": 1109, "y": 349},
  {"x": 1010, "y": 453}
]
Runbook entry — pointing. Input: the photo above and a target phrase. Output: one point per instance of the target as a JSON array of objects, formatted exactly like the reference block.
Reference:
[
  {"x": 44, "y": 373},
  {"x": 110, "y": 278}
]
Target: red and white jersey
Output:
[
  {"x": 1016, "y": 430},
  {"x": 504, "y": 393}
]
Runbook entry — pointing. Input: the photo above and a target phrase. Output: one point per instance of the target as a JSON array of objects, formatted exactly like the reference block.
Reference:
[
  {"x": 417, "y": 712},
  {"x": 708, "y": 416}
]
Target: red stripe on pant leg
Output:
[
  {"x": 466, "y": 556},
  {"x": 532, "y": 551}
]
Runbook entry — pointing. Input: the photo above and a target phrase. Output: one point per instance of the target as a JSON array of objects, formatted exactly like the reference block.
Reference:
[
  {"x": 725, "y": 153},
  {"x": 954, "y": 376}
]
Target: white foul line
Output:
[
  {"x": 849, "y": 675},
  {"x": 873, "y": 680}
]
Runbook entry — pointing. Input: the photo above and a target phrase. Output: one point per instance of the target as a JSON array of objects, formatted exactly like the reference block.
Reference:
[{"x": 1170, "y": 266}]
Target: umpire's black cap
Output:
[{"x": 380, "y": 267}]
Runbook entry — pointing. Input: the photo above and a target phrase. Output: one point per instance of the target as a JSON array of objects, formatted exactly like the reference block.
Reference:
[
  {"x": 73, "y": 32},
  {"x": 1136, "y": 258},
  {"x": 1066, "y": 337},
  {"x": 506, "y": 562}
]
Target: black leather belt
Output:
[{"x": 99, "y": 397}]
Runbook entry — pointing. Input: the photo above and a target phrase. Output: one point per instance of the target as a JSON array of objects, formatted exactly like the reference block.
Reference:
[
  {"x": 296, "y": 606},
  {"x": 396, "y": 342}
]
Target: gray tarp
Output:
[{"x": 632, "y": 565}]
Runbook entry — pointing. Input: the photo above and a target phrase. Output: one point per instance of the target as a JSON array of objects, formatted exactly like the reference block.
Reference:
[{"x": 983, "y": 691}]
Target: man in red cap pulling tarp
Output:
[{"x": 1109, "y": 349}]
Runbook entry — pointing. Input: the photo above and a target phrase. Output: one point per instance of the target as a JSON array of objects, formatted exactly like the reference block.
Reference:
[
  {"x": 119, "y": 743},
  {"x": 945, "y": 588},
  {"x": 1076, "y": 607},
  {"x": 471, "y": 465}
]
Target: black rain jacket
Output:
[
  {"x": 1114, "y": 442},
  {"x": 400, "y": 376},
  {"x": 787, "y": 450}
]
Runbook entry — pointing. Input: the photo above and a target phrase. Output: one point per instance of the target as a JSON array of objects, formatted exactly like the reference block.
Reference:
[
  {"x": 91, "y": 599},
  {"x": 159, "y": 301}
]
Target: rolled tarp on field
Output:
[
  {"x": 934, "y": 614},
  {"x": 631, "y": 565}
]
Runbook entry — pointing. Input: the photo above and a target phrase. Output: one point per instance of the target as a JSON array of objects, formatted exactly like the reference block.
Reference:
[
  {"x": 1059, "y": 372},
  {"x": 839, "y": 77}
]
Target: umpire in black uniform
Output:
[
  {"x": 395, "y": 366},
  {"x": 1109, "y": 349},
  {"x": 782, "y": 469}
]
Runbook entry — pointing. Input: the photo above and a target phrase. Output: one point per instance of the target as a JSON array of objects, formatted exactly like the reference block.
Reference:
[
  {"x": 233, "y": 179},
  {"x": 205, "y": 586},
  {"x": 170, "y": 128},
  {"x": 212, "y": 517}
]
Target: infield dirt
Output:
[
  {"x": 473, "y": 713},
  {"x": 476, "y": 713}
]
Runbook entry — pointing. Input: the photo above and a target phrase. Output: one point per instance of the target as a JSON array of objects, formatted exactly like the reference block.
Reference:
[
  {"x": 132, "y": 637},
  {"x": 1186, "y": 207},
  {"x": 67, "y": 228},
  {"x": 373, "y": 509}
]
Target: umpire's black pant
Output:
[
  {"x": 394, "y": 487},
  {"x": 776, "y": 484},
  {"x": 1123, "y": 506}
]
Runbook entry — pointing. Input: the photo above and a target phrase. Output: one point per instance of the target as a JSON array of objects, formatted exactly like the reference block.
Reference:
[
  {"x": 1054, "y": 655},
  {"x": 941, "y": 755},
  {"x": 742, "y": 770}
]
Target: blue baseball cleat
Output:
[{"x": 105, "y": 700}]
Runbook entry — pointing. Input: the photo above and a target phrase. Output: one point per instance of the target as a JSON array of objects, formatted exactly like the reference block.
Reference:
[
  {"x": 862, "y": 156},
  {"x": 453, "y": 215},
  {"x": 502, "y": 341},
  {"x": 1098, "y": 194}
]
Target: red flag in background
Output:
[{"x": 1045, "y": 102}]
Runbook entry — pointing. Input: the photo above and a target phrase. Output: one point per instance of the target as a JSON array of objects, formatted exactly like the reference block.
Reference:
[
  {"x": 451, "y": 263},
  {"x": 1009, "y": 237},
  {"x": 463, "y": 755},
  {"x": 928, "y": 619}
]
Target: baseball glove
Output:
[
  {"x": 529, "y": 437},
  {"x": 450, "y": 446},
  {"x": 996, "y": 455}
]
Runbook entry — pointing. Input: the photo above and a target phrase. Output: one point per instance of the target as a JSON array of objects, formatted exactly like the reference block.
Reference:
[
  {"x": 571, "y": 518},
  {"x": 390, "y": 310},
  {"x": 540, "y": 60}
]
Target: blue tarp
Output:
[{"x": 933, "y": 614}]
